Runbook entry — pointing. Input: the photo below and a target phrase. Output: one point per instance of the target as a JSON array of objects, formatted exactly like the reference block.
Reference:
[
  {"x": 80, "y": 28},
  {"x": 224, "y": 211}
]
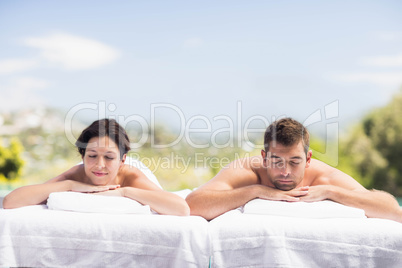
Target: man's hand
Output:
[
  {"x": 316, "y": 193},
  {"x": 294, "y": 195},
  {"x": 76, "y": 186}
]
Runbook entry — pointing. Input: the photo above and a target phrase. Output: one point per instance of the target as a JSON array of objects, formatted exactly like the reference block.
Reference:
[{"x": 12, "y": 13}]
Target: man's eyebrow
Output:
[
  {"x": 274, "y": 156},
  {"x": 297, "y": 158}
]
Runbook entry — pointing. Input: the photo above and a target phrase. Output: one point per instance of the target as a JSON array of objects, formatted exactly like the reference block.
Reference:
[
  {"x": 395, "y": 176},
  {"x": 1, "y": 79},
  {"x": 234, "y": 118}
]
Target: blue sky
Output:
[{"x": 202, "y": 57}]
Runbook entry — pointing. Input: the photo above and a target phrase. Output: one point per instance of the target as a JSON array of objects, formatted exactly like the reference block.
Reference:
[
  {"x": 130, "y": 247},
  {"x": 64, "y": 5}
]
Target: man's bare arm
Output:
[
  {"x": 209, "y": 203},
  {"x": 231, "y": 188},
  {"x": 342, "y": 188}
]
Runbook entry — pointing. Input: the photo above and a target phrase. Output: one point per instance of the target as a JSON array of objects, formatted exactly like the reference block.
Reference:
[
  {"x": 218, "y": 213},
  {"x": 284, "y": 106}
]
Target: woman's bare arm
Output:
[
  {"x": 138, "y": 187},
  {"x": 38, "y": 194}
]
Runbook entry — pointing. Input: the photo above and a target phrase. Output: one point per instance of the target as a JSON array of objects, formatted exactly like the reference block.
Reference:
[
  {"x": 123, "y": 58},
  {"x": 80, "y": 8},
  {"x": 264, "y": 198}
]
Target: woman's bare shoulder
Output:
[
  {"x": 129, "y": 174},
  {"x": 75, "y": 173}
]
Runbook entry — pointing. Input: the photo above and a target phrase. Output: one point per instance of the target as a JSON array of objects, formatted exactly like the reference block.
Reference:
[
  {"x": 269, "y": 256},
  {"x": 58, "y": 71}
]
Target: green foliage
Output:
[
  {"x": 11, "y": 162},
  {"x": 374, "y": 148}
]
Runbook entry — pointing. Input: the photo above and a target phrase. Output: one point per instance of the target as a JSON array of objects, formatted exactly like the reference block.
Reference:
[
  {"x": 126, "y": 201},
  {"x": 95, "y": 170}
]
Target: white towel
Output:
[
  {"x": 183, "y": 193},
  {"x": 80, "y": 202},
  {"x": 314, "y": 210}
]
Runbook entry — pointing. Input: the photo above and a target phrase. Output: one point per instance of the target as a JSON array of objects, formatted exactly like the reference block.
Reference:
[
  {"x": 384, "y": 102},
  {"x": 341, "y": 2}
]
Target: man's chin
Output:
[{"x": 285, "y": 187}]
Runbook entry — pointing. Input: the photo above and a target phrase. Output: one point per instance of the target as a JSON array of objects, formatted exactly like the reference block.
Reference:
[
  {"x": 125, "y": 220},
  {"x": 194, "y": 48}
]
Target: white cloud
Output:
[
  {"x": 73, "y": 52},
  {"x": 193, "y": 42},
  {"x": 21, "y": 93},
  {"x": 16, "y": 65},
  {"x": 388, "y": 79},
  {"x": 384, "y": 61}
]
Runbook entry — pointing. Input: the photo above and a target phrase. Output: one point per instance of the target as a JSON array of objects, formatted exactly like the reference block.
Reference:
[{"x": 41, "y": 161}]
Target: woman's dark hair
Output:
[{"x": 104, "y": 128}]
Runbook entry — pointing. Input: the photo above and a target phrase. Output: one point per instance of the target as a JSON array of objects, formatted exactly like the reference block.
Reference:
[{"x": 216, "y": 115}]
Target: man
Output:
[{"x": 286, "y": 172}]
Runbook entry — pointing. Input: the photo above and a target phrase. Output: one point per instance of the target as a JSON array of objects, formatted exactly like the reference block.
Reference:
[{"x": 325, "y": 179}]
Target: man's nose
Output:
[{"x": 285, "y": 171}]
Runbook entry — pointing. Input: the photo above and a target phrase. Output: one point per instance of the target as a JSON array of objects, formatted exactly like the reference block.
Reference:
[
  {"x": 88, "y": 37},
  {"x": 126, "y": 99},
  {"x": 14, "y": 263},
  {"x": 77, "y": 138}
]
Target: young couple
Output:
[{"x": 285, "y": 171}]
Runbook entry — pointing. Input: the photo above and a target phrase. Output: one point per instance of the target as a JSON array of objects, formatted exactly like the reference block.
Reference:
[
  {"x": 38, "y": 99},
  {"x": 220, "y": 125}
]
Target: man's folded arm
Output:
[
  {"x": 210, "y": 203},
  {"x": 376, "y": 204},
  {"x": 342, "y": 188}
]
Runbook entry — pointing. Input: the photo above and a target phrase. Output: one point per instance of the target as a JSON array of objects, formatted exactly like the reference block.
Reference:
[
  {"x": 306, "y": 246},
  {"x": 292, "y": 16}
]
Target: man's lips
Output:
[
  {"x": 285, "y": 181},
  {"x": 99, "y": 174}
]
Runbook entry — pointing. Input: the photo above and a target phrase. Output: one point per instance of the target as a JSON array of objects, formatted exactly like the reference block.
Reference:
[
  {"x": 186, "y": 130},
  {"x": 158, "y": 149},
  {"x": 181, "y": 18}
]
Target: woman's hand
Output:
[
  {"x": 76, "y": 186},
  {"x": 116, "y": 192}
]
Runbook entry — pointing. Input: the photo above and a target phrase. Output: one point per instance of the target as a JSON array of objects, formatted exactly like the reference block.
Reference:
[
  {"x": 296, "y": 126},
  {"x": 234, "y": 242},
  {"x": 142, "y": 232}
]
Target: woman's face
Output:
[{"x": 102, "y": 161}]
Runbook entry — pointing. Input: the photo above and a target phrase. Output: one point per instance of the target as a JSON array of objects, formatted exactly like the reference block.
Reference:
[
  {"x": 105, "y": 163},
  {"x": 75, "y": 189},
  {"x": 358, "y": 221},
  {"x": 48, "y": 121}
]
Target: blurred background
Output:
[{"x": 196, "y": 82}]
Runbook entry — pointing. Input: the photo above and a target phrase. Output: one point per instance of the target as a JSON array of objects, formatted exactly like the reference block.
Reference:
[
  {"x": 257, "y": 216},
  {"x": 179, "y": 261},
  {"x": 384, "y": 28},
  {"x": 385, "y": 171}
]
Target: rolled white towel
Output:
[
  {"x": 320, "y": 209},
  {"x": 81, "y": 202}
]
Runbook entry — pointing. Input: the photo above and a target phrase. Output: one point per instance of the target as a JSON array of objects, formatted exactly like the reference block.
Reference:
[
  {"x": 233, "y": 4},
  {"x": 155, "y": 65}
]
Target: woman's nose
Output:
[{"x": 101, "y": 162}]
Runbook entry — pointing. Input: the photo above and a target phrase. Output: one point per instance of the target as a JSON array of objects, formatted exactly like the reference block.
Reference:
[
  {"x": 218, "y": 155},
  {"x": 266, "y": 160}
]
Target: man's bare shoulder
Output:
[
  {"x": 317, "y": 172},
  {"x": 239, "y": 173},
  {"x": 320, "y": 173},
  {"x": 320, "y": 167}
]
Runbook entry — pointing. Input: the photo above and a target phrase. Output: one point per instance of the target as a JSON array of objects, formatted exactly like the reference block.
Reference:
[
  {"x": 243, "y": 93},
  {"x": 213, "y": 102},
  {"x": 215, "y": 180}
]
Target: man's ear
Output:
[
  {"x": 308, "y": 160},
  {"x": 264, "y": 157}
]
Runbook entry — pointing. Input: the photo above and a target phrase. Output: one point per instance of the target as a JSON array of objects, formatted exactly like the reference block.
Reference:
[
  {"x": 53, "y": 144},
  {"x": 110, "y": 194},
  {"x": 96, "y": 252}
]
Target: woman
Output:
[{"x": 103, "y": 147}]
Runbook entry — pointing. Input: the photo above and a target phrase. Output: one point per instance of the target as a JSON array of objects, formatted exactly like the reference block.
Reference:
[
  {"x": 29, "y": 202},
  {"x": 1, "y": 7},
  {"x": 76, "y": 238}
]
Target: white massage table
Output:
[
  {"x": 245, "y": 240},
  {"x": 39, "y": 237},
  {"x": 36, "y": 236}
]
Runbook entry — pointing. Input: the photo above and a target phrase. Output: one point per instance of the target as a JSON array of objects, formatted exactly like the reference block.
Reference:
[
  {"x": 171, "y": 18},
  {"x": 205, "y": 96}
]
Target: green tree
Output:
[
  {"x": 374, "y": 148},
  {"x": 11, "y": 162}
]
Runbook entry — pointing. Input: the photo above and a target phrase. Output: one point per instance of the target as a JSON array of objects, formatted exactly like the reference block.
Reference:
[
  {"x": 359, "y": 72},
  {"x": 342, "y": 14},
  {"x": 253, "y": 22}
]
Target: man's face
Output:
[{"x": 286, "y": 164}]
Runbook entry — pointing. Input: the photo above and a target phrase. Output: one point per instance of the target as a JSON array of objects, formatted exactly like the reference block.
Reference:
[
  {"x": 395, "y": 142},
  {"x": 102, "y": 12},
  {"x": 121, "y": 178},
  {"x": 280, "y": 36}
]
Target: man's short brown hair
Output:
[{"x": 287, "y": 132}]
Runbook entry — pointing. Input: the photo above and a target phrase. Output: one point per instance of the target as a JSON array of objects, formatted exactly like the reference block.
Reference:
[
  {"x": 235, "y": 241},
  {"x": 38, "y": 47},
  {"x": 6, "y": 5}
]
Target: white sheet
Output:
[
  {"x": 313, "y": 210},
  {"x": 81, "y": 202},
  {"x": 246, "y": 240},
  {"x": 37, "y": 237}
]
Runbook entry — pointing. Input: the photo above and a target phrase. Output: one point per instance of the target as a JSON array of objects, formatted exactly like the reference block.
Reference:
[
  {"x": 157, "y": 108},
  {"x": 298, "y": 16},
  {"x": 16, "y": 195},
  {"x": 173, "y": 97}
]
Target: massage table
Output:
[
  {"x": 36, "y": 236},
  {"x": 245, "y": 240}
]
